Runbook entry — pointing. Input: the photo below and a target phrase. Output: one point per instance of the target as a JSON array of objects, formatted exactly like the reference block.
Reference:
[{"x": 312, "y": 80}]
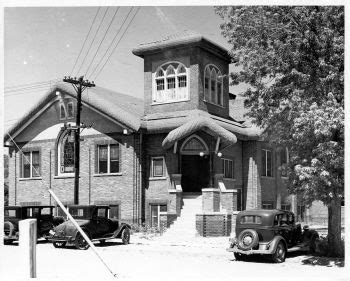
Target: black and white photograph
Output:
[{"x": 181, "y": 140}]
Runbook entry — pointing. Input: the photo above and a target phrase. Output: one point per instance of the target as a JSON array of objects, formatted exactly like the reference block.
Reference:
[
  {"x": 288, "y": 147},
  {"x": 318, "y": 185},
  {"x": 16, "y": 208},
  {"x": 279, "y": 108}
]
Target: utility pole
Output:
[{"x": 79, "y": 85}]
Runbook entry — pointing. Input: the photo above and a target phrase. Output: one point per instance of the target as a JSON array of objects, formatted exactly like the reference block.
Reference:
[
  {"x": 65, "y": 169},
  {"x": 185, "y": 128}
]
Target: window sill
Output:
[
  {"x": 166, "y": 102},
  {"x": 218, "y": 105},
  {"x": 229, "y": 179},
  {"x": 108, "y": 175},
  {"x": 30, "y": 179},
  {"x": 156, "y": 178},
  {"x": 68, "y": 176},
  {"x": 267, "y": 177}
]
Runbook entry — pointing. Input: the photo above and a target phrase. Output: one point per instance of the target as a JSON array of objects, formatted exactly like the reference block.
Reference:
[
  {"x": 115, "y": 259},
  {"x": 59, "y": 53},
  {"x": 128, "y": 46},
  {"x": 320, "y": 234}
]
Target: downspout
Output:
[
  {"x": 140, "y": 199},
  {"x": 15, "y": 178}
]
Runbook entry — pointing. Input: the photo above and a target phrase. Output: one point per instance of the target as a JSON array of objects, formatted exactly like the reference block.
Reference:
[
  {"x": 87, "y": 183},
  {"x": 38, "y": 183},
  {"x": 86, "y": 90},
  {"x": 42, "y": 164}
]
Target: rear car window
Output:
[
  {"x": 10, "y": 213},
  {"x": 77, "y": 212},
  {"x": 251, "y": 219}
]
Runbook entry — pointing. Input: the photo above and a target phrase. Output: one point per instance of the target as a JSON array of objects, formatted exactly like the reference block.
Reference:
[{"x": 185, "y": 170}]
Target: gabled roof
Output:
[
  {"x": 123, "y": 109},
  {"x": 181, "y": 39}
]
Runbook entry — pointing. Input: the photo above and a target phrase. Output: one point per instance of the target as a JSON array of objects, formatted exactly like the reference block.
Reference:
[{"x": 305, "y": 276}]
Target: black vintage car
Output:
[
  {"x": 272, "y": 233},
  {"x": 43, "y": 214},
  {"x": 95, "y": 223}
]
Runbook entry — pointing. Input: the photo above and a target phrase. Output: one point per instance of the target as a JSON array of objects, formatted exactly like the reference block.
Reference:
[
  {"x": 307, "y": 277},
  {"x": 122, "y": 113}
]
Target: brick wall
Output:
[
  {"x": 92, "y": 187},
  {"x": 213, "y": 224},
  {"x": 195, "y": 59}
]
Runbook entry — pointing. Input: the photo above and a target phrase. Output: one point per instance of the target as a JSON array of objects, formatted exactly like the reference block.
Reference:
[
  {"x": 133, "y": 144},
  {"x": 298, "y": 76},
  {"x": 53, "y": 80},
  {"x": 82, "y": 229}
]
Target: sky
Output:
[{"x": 43, "y": 43}]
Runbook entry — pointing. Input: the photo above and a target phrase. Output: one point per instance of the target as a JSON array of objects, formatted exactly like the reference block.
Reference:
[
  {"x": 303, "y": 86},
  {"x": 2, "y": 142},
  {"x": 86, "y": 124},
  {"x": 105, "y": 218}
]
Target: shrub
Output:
[
  {"x": 146, "y": 230},
  {"x": 322, "y": 247}
]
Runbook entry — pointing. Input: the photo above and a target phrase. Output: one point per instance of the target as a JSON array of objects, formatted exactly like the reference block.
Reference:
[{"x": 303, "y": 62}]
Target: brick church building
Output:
[{"x": 186, "y": 137}]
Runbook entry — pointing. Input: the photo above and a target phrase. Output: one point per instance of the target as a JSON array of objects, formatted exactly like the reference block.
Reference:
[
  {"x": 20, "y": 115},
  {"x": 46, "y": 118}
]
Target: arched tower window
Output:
[
  {"x": 171, "y": 83},
  {"x": 213, "y": 85}
]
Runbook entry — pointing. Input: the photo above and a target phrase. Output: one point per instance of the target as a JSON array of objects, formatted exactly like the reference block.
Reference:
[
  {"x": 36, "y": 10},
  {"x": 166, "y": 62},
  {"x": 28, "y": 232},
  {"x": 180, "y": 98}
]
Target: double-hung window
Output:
[
  {"x": 156, "y": 211},
  {"x": 31, "y": 164},
  {"x": 228, "y": 168},
  {"x": 108, "y": 159},
  {"x": 157, "y": 167},
  {"x": 266, "y": 163}
]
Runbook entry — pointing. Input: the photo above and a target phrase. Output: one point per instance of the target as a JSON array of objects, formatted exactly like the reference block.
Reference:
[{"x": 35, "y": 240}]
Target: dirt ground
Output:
[{"x": 155, "y": 259}]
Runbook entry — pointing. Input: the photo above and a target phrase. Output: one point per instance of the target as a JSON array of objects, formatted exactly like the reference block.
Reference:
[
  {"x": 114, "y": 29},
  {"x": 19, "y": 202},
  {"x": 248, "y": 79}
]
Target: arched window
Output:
[
  {"x": 206, "y": 84},
  {"x": 171, "y": 83},
  {"x": 194, "y": 145},
  {"x": 213, "y": 85},
  {"x": 65, "y": 152}
]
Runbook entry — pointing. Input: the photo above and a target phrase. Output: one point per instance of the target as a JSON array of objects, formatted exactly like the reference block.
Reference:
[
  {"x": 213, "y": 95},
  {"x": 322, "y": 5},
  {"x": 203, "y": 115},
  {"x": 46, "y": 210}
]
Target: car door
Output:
[{"x": 101, "y": 220}]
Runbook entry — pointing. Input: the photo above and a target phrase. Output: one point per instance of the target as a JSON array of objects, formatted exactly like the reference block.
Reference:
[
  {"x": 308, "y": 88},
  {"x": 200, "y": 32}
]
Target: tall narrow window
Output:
[
  {"x": 157, "y": 167},
  {"x": 108, "y": 158},
  {"x": 284, "y": 162},
  {"x": 228, "y": 168},
  {"x": 266, "y": 163},
  {"x": 182, "y": 79},
  {"x": 160, "y": 80},
  {"x": 206, "y": 84},
  {"x": 170, "y": 77},
  {"x": 213, "y": 85},
  {"x": 62, "y": 111},
  {"x": 70, "y": 110},
  {"x": 68, "y": 156},
  {"x": 31, "y": 164}
]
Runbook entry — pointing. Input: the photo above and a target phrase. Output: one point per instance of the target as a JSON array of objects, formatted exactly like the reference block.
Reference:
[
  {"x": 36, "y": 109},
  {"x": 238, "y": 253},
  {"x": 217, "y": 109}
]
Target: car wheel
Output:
[
  {"x": 126, "y": 236},
  {"x": 239, "y": 257},
  {"x": 59, "y": 244},
  {"x": 8, "y": 242},
  {"x": 80, "y": 243},
  {"x": 280, "y": 253}
]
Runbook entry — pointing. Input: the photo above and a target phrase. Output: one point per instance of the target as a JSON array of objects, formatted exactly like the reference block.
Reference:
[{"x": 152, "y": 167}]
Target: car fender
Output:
[
  {"x": 118, "y": 232},
  {"x": 83, "y": 229},
  {"x": 274, "y": 242}
]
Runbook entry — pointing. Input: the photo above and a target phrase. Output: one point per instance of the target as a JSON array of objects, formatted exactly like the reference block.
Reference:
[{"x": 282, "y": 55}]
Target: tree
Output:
[{"x": 293, "y": 60}]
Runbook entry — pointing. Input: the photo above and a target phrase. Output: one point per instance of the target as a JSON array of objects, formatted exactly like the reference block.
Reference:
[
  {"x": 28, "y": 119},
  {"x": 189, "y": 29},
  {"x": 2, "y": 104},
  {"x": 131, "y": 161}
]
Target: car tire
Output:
[
  {"x": 59, "y": 244},
  {"x": 80, "y": 242},
  {"x": 254, "y": 237},
  {"x": 239, "y": 257},
  {"x": 125, "y": 236},
  {"x": 280, "y": 253}
]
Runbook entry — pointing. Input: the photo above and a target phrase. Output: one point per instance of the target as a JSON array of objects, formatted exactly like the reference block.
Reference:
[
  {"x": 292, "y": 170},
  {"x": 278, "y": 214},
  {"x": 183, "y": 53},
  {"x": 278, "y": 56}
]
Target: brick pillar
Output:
[
  {"x": 233, "y": 222},
  {"x": 210, "y": 200},
  {"x": 175, "y": 194},
  {"x": 228, "y": 199},
  {"x": 251, "y": 176}
]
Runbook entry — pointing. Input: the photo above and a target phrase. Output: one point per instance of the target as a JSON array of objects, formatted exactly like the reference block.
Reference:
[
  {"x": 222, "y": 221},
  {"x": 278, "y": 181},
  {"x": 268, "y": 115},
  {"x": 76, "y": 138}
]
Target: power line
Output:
[
  {"x": 28, "y": 88},
  {"x": 93, "y": 40},
  {"x": 86, "y": 37},
  {"x": 110, "y": 45},
  {"x": 104, "y": 36},
  {"x": 29, "y": 84},
  {"x": 138, "y": 8}
]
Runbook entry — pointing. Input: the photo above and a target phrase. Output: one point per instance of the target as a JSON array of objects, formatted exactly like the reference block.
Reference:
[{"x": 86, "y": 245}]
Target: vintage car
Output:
[
  {"x": 95, "y": 223},
  {"x": 43, "y": 214},
  {"x": 272, "y": 233}
]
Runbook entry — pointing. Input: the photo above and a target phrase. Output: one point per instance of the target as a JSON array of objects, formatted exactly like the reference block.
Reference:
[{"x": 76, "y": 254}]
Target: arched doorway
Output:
[{"x": 194, "y": 164}]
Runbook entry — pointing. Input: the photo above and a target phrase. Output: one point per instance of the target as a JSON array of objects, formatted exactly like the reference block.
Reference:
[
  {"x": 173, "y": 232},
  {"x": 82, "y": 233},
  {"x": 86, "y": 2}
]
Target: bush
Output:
[
  {"x": 146, "y": 230},
  {"x": 322, "y": 247}
]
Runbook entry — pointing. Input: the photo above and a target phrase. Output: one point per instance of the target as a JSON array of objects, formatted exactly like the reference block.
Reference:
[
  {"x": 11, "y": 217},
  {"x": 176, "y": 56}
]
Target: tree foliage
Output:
[{"x": 293, "y": 59}]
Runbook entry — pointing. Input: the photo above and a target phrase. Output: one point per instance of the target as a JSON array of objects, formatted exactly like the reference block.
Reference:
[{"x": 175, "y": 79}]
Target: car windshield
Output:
[
  {"x": 77, "y": 213},
  {"x": 10, "y": 213}
]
